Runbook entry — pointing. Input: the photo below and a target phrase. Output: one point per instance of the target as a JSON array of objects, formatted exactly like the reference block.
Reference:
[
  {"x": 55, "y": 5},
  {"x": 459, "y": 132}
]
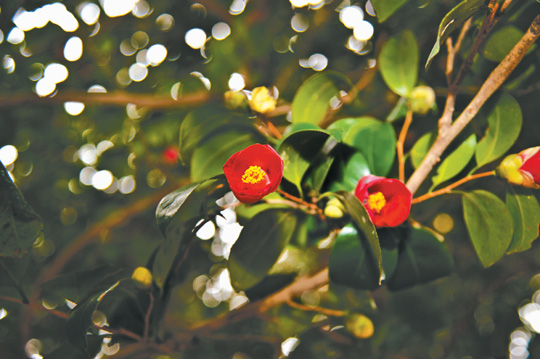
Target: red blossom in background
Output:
[
  {"x": 522, "y": 169},
  {"x": 170, "y": 155},
  {"x": 254, "y": 172},
  {"x": 387, "y": 200}
]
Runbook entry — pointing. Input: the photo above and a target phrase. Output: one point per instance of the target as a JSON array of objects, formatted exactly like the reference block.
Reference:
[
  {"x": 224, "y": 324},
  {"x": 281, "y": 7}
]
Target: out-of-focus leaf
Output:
[
  {"x": 489, "y": 224},
  {"x": 398, "y": 63},
  {"x": 210, "y": 156},
  {"x": 259, "y": 245},
  {"x": 376, "y": 140},
  {"x": 298, "y": 150},
  {"x": 207, "y": 121},
  {"x": 385, "y": 8},
  {"x": 421, "y": 148},
  {"x": 80, "y": 319},
  {"x": 453, "y": 20},
  {"x": 20, "y": 225},
  {"x": 361, "y": 219},
  {"x": 340, "y": 128},
  {"x": 525, "y": 212},
  {"x": 399, "y": 110},
  {"x": 355, "y": 168},
  {"x": 504, "y": 123},
  {"x": 456, "y": 161},
  {"x": 352, "y": 262},
  {"x": 313, "y": 99},
  {"x": 422, "y": 258},
  {"x": 499, "y": 44}
]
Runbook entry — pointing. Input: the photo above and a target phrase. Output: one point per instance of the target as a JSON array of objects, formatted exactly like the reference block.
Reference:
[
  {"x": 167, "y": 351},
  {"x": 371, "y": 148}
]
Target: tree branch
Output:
[{"x": 492, "y": 83}]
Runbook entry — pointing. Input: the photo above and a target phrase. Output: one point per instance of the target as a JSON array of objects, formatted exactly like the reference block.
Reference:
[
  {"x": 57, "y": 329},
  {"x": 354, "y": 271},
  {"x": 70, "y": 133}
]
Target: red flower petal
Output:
[
  {"x": 531, "y": 164},
  {"x": 254, "y": 172}
]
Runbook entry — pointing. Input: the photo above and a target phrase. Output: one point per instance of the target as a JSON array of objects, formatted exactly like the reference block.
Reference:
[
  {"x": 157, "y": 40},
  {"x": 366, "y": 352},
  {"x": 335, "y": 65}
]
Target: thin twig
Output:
[
  {"x": 492, "y": 83},
  {"x": 147, "y": 317},
  {"x": 326, "y": 311},
  {"x": 400, "y": 142}
]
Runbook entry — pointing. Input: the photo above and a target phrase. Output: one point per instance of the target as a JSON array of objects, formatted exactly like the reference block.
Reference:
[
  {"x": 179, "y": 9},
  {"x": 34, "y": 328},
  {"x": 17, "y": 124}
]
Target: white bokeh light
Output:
[
  {"x": 45, "y": 86},
  {"x": 8, "y": 154},
  {"x": 89, "y": 13},
  {"x": 126, "y": 184},
  {"x": 102, "y": 179},
  {"x": 299, "y": 22},
  {"x": 220, "y": 31},
  {"x": 56, "y": 72},
  {"x": 74, "y": 108},
  {"x": 363, "y": 31},
  {"x": 88, "y": 154},
  {"x": 86, "y": 174},
  {"x": 236, "y": 82},
  {"x": 195, "y": 38},
  {"x": 350, "y": 16},
  {"x": 73, "y": 49},
  {"x": 165, "y": 22},
  {"x": 138, "y": 72},
  {"x": 115, "y": 8},
  {"x": 156, "y": 54},
  {"x": 15, "y": 36},
  {"x": 207, "y": 231}
]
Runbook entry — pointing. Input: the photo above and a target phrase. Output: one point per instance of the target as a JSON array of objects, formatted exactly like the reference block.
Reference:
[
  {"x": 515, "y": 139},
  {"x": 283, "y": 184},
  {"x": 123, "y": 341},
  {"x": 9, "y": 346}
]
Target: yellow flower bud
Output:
[
  {"x": 359, "y": 325},
  {"x": 422, "y": 99},
  {"x": 509, "y": 169},
  {"x": 334, "y": 208},
  {"x": 261, "y": 101},
  {"x": 142, "y": 278},
  {"x": 235, "y": 100}
]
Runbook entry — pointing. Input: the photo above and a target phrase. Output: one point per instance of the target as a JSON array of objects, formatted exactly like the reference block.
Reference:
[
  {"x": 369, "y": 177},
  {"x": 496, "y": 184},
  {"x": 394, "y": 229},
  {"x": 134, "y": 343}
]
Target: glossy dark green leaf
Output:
[
  {"x": 361, "y": 219},
  {"x": 207, "y": 121},
  {"x": 456, "y": 161},
  {"x": 376, "y": 140},
  {"x": 525, "y": 212},
  {"x": 259, "y": 245},
  {"x": 340, "y": 128},
  {"x": 210, "y": 156},
  {"x": 20, "y": 225},
  {"x": 499, "y": 44},
  {"x": 352, "y": 262},
  {"x": 421, "y": 148},
  {"x": 398, "y": 63},
  {"x": 453, "y": 20},
  {"x": 385, "y": 8},
  {"x": 489, "y": 223},
  {"x": 80, "y": 319},
  {"x": 298, "y": 150},
  {"x": 504, "y": 123},
  {"x": 313, "y": 99},
  {"x": 355, "y": 168},
  {"x": 422, "y": 258}
]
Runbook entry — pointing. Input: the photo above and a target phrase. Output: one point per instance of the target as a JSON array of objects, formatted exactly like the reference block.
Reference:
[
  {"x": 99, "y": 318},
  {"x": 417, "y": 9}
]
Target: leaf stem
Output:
[
  {"x": 400, "y": 142},
  {"x": 311, "y": 206},
  {"x": 449, "y": 188},
  {"x": 147, "y": 317},
  {"x": 330, "y": 312}
]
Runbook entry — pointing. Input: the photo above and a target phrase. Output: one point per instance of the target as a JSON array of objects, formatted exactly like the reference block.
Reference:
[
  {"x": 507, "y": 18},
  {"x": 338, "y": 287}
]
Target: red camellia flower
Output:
[
  {"x": 522, "y": 169},
  {"x": 170, "y": 155},
  {"x": 387, "y": 200},
  {"x": 254, "y": 172}
]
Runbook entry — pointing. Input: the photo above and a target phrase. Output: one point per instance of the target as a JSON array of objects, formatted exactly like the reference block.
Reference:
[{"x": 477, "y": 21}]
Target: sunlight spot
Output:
[
  {"x": 206, "y": 82},
  {"x": 139, "y": 39},
  {"x": 74, "y": 108},
  {"x": 8, "y": 154},
  {"x": 299, "y": 3},
  {"x": 55, "y": 72},
  {"x": 86, "y": 174},
  {"x": 363, "y": 31},
  {"x": 141, "y": 58},
  {"x": 1, "y": 36},
  {"x": 73, "y": 49},
  {"x": 175, "y": 90},
  {"x": 288, "y": 345},
  {"x": 237, "y": 7},
  {"x": 165, "y": 22},
  {"x": 88, "y": 154},
  {"x": 115, "y": 8},
  {"x": 317, "y": 62},
  {"x": 156, "y": 54},
  {"x": 299, "y": 22},
  {"x": 102, "y": 179},
  {"x": 126, "y": 184},
  {"x": 89, "y": 13},
  {"x": 236, "y": 82},
  {"x": 350, "y": 16},
  {"x": 110, "y": 350},
  {"x": 370, "y": 9},
  {"x": 156, "y": 178},
  {"x": 32, "y": 348},
  {"x": 126, "y": 48},
  {"x": 355, "y": 45},
  {"x": 530, "y": 316},
  {"x": 103, "y": 146},
  {"x": 237, "y": 301},
  {"x": 138, "y": 72},
  {"x": 15, "y": 36},
  {"x": 220, "y": 31},
  {"x": 195, "y": 38},
  {"x": 45, "y": 87},
  {"x": 122, "y": 77}
]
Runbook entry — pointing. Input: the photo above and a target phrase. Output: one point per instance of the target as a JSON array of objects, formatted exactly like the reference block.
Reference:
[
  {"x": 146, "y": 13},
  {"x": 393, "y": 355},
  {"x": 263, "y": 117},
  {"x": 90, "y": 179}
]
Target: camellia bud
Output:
[
  {"x": 235, "y": 100},
  {"x": 359, "y": 325},
  {"x": 334, "y": 208},
  {"x": 422, "y": 99},
  {"x": 522, "y": 169},
  {"x": 142, "y": 278},
  {"x": 261, "y": 101}
]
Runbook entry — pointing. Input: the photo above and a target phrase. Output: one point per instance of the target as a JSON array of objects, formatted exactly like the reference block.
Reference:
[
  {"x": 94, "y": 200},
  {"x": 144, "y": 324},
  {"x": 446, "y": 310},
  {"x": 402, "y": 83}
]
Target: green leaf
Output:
[
  {"x": 422, "y": 258},
  {"x": 351, "y": 261},
  {"x": 361, "y": 219},
  {"x": 210, "y": 156},
  {"x": 355, "y": 168},
  {"x": 499, "y": 44},
  {"x": 340, "y": 128},
  {"x": 208, "y": 121},
  {"x": 421, "y": 148},
  {"x": 376, "y": 140},
  {"x": 525, "y": 212},
  {"x": 398, "y": 63},
  {"x": 80, "y": 319},
  {"x": 453, "y": 20},
  {"x": 312, "y": 100},
  {"x": 489, "y": 223},
  {"x": 504, "y": 123},
  {"x": 298, "y": 150},
  {"x": 259, "y": 246},
  {"x": 20, "y": 225},
  {"x": 385, "y": 8},
  {"x": 456, "y": 161}
]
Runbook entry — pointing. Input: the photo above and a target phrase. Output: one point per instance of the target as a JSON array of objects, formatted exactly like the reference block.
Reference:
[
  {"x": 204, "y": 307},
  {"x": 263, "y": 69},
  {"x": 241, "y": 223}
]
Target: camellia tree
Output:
[{"x": 269, "y": 179}]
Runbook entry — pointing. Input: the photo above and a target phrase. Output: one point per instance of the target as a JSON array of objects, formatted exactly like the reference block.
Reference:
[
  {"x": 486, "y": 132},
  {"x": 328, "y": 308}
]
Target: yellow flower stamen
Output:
[
  {"x": 376, "y": 202},
  {"x": 254, "y": 174}
]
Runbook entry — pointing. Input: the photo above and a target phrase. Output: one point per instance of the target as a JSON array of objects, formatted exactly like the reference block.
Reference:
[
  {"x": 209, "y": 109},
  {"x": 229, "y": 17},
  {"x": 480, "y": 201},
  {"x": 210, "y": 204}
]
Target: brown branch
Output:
[
  {"x": 399, "y": 145},
  {"x": 326, "y": 311},
  {"x": 116, "y": 98},
  {"x": 492, "y": 83}
]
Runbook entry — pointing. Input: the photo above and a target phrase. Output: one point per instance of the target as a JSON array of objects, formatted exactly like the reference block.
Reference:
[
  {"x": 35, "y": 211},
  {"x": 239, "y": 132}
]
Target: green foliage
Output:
[
  {"x": 501, "y": 42},
  {"x": 456, "y": 161},
  {"x": 385, "y": 8},
  {"x": 525, "y": 212}
]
